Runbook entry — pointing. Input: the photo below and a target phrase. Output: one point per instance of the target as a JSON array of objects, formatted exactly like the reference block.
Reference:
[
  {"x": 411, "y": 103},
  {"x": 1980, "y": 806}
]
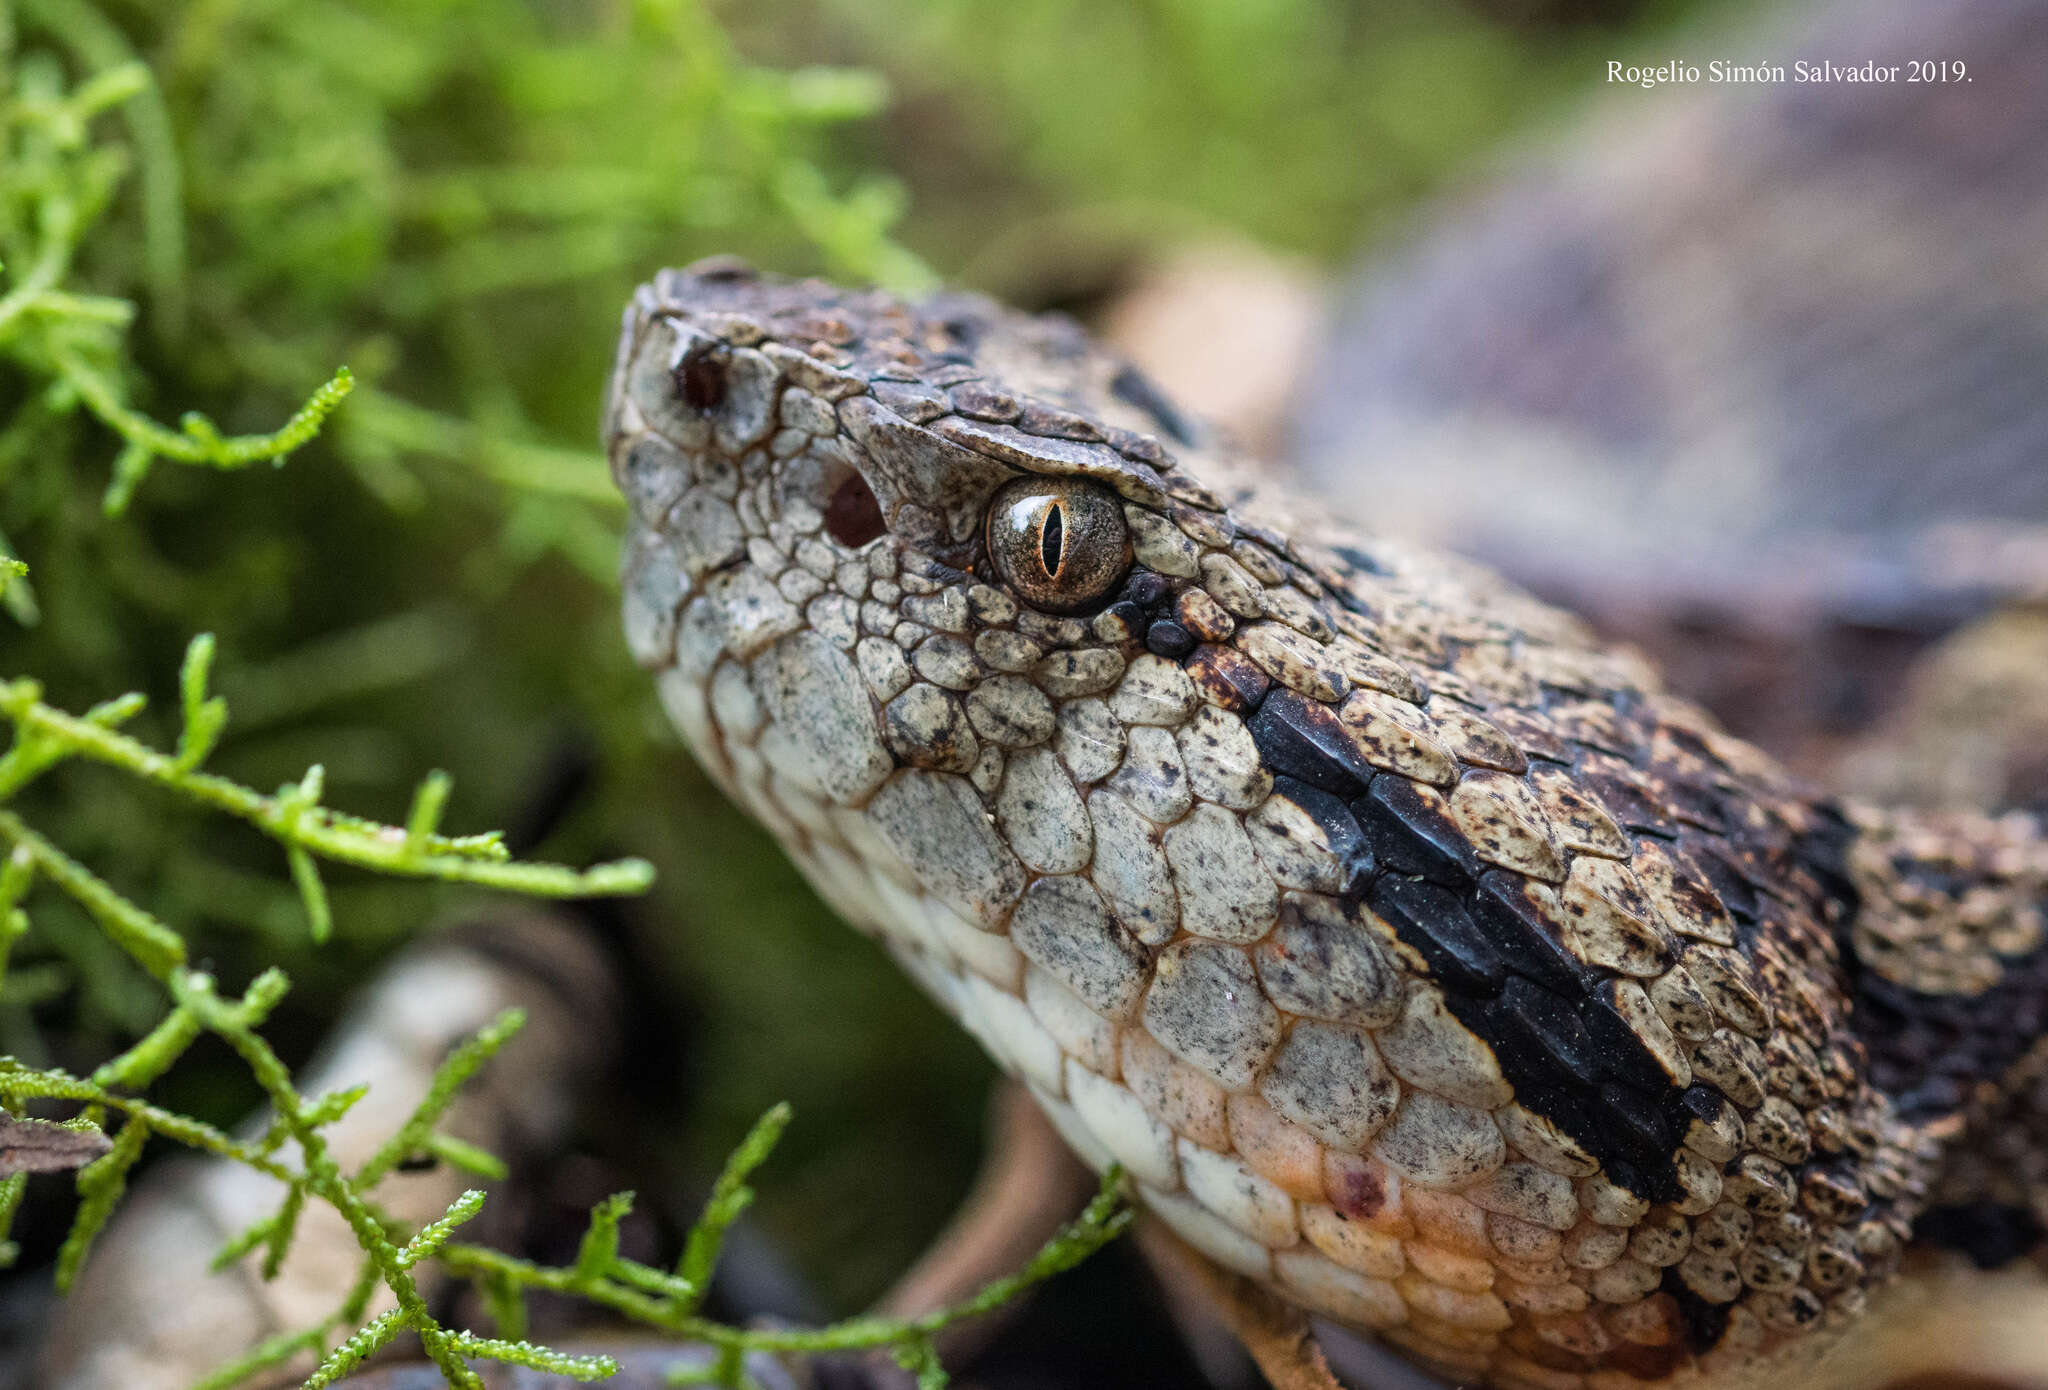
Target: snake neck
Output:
[{"x": 1940, "y": 920}]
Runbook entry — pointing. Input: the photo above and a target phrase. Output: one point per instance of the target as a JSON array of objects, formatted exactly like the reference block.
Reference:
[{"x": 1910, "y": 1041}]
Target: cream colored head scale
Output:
[{"x": 1414, "y": 955}]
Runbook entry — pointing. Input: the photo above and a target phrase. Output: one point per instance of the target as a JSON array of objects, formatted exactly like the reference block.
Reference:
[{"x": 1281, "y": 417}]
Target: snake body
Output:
[{"x": 1415, "y": 954}]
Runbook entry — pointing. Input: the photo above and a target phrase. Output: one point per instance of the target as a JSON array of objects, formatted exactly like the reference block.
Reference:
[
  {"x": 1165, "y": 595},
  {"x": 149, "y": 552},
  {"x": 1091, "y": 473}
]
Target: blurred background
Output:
[{"x": 455, "y": 198}]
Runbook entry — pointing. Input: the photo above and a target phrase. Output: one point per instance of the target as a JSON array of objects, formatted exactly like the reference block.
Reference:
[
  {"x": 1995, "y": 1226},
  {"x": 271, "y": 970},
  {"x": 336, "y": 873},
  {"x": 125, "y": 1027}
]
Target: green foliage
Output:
[
  {"x": 668, "y": 1301},
  {"x": 44, "y": 738},
  {"x": 1092, "y": 131},
  {"x": 212, "y": 203},
  {"x": 271, "y": 139},
  {"x": 574, "y": 143},
  {"x": 574, "y": 146},
  {"x": 55, "y": 184}
]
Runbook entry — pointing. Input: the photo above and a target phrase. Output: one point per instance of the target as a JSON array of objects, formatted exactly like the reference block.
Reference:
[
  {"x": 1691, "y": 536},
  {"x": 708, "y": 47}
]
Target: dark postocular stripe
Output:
[
  {"x": 1623, "y": 1057},
  {"x": 1300, "y": 738},
  {"x": 1530, "y": 1019},
  {"x": 1505, "y": 973},
  {"x": 1645, "y": 1127},
  {"x": 1410, "y": 835},
  {"x": 1437, "y": 923},
  {"x": 1568, "y": 1055},
  {"x": 1525, "y": 938}
]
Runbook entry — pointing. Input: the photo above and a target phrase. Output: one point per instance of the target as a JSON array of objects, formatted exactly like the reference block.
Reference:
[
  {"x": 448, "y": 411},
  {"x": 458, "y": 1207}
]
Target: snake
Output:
[{"x": 1416, "y": 954}]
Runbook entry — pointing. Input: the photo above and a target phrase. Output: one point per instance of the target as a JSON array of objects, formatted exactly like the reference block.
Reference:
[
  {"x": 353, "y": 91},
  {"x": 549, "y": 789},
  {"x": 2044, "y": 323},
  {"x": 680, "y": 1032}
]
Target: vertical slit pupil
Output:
[{"x": 1052, "y": 540}]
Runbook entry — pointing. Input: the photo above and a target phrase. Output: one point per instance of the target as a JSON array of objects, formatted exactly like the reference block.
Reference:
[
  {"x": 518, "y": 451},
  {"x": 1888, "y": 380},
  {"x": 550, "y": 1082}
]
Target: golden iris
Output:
[{"x": 1061, "y": 544}]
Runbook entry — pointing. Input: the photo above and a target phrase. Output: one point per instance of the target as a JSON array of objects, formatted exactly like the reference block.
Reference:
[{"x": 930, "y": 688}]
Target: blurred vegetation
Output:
[
  {"x": 1043, "y": 140},
  {"x": 452, "y": 199}
]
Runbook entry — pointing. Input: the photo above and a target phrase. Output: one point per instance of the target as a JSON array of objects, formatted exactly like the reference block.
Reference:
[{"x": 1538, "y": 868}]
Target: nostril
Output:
[
  {"x": 852, "y": 515},
  {"x": 701, "y": 380}
]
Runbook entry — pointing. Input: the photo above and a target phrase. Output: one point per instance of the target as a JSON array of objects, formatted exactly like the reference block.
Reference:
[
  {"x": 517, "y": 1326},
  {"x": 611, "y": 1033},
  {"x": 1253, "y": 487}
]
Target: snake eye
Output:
[{"x": 1060, "y": 543}]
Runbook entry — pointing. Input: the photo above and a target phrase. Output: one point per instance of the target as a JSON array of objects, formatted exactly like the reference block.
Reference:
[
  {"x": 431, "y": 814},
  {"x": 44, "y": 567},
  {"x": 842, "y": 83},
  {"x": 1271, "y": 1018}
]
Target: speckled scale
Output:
[
  {"x": 1310, "y": 840},
  {"x": 1205, "y": 1008}
]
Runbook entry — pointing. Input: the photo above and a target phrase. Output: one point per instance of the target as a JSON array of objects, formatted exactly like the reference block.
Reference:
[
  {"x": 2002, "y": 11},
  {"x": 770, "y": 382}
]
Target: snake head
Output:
[{"x": 913, "y": 529}]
